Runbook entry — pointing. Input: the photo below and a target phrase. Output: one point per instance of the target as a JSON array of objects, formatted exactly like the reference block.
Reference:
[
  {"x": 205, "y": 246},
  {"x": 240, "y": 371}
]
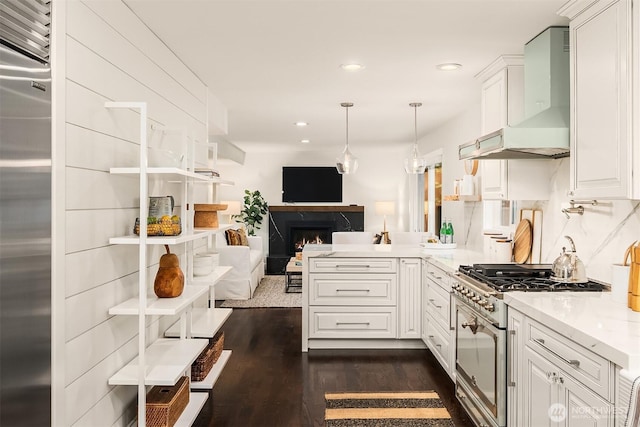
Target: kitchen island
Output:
[{"x": 368, "y": 296}]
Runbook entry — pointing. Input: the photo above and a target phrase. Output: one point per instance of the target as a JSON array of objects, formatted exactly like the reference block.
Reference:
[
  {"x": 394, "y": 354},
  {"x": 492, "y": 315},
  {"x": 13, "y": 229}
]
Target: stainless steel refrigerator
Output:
[{"x": 25, "y": 221}]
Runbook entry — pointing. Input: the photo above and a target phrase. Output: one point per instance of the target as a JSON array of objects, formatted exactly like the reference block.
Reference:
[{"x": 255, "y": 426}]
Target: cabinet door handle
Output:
[
  {"x": 353, "y": 323},
  {"x": 573, "y": 362},
  {"x": 353, "y": 266},
  {"x": 510, "y": 337},
  {"x": 434, "y": 274},
  {"x": 353, "y": 290},
  {"x": 432, "y": 301}
]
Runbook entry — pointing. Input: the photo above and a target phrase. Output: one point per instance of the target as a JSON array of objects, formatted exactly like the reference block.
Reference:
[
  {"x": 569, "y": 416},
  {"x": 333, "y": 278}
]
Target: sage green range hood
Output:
[{"x": 544, "y": 133}]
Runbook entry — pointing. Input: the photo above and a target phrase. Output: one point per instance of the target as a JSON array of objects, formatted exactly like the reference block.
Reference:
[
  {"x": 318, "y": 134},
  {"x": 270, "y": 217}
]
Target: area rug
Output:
[
  {"x": 407, "y": 409},
  {"x": 269, "y": 293}
]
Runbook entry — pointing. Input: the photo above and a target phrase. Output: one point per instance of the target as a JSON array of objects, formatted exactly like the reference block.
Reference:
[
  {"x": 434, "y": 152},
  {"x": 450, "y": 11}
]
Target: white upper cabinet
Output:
[
  {"x": 602, "y": 61},
  {"x": 503, "y": 105}
]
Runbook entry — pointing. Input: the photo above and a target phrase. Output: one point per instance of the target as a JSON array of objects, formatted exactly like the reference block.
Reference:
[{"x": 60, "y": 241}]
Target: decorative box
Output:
[{"x": 166, "y": 403}]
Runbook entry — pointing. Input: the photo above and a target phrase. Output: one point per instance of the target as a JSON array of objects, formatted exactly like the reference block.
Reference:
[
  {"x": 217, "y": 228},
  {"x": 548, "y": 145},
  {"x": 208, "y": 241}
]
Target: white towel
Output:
[{"x": 633, "y": 413}]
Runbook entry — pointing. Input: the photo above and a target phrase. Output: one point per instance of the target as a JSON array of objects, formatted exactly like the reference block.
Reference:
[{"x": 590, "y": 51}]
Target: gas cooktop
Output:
[{"x": 523, "y": 277}]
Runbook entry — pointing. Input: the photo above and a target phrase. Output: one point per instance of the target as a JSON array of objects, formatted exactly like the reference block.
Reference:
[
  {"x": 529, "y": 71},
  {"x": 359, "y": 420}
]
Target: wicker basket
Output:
[
  {"x": 166, "y": 403},
  {"x": 209, "y": 356},
  {"x": 157, "y": 229}
]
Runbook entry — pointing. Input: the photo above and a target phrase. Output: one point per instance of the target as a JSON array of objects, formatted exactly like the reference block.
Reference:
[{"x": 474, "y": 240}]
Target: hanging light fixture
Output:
[
  {"x": 414, "y": 163},
  {"x": 347, "y": 163}
]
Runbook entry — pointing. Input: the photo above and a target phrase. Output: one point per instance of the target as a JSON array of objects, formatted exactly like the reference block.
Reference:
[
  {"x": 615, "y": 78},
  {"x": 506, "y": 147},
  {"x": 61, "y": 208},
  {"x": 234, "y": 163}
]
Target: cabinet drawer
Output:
[
  {"x": 361, "y": 289},
  {"x": 352, "y": 265},
  {"x": 438, "y": 276},
  {"x": 438, "y": 342},
  {"x": 585, "y": 366},
  {"x": 438, "y": 305},
  {"x": 352, "y": 322}
]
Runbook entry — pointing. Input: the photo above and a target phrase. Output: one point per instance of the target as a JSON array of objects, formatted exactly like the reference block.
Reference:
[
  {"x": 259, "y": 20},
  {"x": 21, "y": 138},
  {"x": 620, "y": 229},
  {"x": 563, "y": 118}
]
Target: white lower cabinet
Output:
[
  {"x": 438, "y": 326},
  {"x": 410, "y": 293},
  {"x": 553, "y": 381},
  {"x": 553, "y": 398},
  {"x": 349, "y": 300},
  {"x": 352, "y": 322}
]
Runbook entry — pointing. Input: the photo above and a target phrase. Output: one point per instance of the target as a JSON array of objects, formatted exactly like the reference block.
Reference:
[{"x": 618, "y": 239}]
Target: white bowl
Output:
[
  {"x": 202, "y": 271},
  {"x": 208, "y": 258}
]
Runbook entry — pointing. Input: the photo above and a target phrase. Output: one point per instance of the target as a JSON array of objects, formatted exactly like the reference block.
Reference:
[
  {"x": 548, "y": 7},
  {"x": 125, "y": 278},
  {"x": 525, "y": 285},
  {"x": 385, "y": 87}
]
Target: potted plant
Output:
[{"x": 253, "y": 210}]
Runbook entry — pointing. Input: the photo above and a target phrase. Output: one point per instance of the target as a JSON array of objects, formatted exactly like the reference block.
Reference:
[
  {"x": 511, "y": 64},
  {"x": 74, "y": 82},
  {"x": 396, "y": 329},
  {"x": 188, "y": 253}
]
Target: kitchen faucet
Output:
[{"x": 577, "y": 209}]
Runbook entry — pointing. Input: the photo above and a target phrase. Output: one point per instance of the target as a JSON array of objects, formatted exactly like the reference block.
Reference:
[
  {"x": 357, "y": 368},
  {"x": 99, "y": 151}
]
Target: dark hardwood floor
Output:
[{"x": 270, "y": 382}]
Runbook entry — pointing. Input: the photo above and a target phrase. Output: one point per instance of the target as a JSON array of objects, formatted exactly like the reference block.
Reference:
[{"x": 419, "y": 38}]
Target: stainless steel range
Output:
[{"x": 481, "y": 317}]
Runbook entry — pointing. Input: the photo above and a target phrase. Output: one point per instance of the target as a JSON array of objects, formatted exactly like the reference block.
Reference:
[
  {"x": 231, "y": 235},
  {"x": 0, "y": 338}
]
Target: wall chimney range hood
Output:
[{"x": 544, "y": 133}]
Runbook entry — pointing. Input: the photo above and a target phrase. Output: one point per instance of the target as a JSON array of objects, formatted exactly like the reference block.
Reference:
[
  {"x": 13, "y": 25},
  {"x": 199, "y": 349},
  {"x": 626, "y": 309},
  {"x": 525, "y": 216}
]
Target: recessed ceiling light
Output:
[
  {"x": 305, "y": 141},
  {"x": 352, "y": 67},
  {"x": 449, "y": 66},
  {"x": 301, "y": 124}
]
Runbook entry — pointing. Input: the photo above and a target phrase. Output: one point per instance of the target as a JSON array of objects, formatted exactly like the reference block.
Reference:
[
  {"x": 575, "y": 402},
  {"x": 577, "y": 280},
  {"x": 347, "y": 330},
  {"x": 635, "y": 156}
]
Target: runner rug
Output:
[{"x": 406, "y": 409}]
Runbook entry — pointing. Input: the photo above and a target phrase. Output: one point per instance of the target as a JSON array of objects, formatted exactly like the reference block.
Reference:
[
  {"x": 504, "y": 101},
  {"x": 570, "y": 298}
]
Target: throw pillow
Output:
[
  {"x": 232, "y": 237},
  {"x": 244, "y": 241},
  {"x": 236, "y": 237}
]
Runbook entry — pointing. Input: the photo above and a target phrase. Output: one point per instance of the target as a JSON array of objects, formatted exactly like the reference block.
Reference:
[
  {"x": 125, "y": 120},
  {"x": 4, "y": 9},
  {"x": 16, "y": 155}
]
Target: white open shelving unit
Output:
[{"x": 165, "y": 360}]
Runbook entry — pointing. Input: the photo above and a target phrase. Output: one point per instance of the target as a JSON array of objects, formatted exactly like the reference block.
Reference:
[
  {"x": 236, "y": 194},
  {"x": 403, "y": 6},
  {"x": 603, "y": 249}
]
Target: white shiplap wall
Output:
[{"x": 105, "y": 53}]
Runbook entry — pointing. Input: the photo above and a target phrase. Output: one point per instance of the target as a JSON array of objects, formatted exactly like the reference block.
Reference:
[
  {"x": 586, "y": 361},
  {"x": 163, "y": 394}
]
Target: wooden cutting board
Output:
[{"x": 522, "y": 241}]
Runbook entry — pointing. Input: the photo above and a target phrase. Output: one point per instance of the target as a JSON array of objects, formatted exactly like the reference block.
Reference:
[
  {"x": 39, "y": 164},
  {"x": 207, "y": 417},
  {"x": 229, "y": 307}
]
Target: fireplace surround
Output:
[{"x": 290, "y": 225}]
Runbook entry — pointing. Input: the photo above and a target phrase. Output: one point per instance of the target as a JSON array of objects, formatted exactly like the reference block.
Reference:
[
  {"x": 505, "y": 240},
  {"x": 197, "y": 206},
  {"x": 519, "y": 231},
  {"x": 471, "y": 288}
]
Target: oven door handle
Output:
[{"x": 472, "y": 324}]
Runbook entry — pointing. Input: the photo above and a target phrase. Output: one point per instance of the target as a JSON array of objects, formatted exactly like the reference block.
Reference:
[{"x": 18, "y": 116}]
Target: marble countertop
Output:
[
  {"x": 448, "y": 259},
  {"x": 593, "y": 319}
]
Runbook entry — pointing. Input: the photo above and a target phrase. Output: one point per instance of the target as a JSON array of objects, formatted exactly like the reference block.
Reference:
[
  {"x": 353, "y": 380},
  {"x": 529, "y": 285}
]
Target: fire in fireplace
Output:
[{"x": 302, "y": 235}]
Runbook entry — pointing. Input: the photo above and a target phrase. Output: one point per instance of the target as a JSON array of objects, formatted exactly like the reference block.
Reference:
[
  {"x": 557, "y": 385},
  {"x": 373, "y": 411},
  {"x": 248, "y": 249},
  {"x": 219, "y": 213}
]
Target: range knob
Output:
[
  {"x": 475, "y": 299},
  {"x": 489, "y": 307}
]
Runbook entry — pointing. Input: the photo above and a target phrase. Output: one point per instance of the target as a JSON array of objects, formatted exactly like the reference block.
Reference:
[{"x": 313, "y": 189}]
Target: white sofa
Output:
[{"x": 247, "y": 271}]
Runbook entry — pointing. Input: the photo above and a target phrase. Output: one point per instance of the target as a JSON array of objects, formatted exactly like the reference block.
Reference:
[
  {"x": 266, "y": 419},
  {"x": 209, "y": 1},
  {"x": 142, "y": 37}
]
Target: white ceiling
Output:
[{"x": 275, "y": 62}]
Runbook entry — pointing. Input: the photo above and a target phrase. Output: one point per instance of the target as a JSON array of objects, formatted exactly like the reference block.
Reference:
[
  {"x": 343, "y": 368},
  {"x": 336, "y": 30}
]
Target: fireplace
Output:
[
  {"x": 290, "y": 225},
  {"x": 301, "y": 233}
]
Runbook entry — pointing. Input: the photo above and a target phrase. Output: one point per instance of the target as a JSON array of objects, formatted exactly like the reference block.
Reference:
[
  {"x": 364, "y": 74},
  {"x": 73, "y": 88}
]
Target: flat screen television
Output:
[{"x": 311, "y": 184}]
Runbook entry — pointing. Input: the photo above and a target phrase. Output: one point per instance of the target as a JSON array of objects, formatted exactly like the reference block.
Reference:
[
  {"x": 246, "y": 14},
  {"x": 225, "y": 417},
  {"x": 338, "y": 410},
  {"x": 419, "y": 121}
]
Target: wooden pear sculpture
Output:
[{"x": 169, "y": 281}]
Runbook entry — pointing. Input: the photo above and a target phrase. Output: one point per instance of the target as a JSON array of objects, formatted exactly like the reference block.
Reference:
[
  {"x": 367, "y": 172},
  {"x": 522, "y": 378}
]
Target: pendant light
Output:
[
  {"x": 415, "y": 164},
  {"x": 347, "y": 163}
]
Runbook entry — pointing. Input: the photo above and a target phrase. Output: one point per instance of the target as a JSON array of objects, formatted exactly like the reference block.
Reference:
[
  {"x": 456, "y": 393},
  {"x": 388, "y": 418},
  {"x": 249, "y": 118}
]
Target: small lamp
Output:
[
  {"x": 385, "y": 208},
  {"x": 233, "y": 208}
]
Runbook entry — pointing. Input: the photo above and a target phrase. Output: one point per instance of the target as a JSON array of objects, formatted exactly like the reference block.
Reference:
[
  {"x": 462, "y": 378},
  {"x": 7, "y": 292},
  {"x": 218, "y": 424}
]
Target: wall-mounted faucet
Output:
[{"x": 577, "y": 209}]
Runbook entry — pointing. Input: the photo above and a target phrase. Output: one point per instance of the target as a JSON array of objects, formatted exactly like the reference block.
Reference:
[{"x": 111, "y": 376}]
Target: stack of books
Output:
[{"x": 207, "y": 172}]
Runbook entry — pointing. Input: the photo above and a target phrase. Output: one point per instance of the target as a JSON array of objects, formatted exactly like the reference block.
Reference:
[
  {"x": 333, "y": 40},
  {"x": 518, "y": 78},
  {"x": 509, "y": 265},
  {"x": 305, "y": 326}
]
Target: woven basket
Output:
[
  {"x": 166, "y": 403},
  {"x": 209, "y": 356}
]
